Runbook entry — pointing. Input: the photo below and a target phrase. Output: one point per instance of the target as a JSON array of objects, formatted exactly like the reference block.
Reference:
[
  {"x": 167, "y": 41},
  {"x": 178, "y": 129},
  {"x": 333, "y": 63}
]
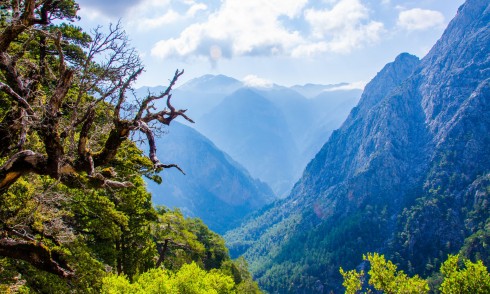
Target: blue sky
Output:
[{"x": 287, "y": 42}]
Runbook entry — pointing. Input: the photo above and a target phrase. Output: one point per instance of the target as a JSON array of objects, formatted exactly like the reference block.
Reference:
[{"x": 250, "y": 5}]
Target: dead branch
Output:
[{"x": 5, "y": 88}]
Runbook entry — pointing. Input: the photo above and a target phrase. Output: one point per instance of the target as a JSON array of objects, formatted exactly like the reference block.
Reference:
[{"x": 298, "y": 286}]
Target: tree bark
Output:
[
  {"x": 161, "y": 253},
  {"x": 36, "y": 254},
  {"x": 18, "y": 165}
]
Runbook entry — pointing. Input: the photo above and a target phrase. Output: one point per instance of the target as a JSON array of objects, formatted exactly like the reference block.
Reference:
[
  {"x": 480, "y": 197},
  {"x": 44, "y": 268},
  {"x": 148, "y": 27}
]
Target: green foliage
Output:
[
  {"x": 352, "y": 281},
  {"x": 190, "y": 279},
  {"x": 469, "y": 278},
  {"x": 238, "y": 270},
  {"x": 187, "y": 240},
  {"x": 439, "y": 224},
  {"x": 473, "y": 277},
  {"x": 79, "y": 203},
  {"x": 121, "y": 231},
  {"x": 177, "y": 244},
  {"x": 304, "y": 252},
  {"x": 385, "y": 277},
  {"x": 118, "y": 231}
]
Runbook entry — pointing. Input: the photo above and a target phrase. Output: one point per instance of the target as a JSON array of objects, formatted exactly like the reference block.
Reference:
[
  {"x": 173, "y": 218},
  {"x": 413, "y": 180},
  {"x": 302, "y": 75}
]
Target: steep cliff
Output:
[{"x": 407, "y": 174}]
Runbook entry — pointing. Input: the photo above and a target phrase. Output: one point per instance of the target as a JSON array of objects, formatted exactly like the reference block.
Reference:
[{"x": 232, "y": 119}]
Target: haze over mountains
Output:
[
  {"x": 407, "y": 174},
  {"x": 258, "y": 143},
  {"x": 215, "y": 187},
  {"x": 272, "y": 131}
]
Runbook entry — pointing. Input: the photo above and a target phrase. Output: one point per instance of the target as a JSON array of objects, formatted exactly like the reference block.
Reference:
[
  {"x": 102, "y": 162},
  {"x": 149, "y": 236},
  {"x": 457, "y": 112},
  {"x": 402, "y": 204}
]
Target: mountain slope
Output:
[
  {"x": 215, "y": 188},
  {"x": 206, "y": 98},
  {"x": 310, "y": 121},
  {"x": 202, "y": 94},
  {"x": 407, "y": 174},
  {"x": 274, "y": 132},
  {"x": 254, "y": 132}
]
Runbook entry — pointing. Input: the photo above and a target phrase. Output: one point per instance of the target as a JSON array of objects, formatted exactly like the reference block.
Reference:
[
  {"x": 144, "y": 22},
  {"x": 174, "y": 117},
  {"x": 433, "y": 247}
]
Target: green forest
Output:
[
  {"x": 75, "y": 216},
  {"x": 456, "y": 275}
]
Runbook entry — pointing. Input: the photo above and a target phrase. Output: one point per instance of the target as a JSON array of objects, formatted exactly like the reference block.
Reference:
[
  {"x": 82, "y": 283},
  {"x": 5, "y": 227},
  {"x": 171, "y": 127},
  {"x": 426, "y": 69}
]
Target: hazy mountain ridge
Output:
[
  {"x": 198, "y": 95},
  {"x": 254, "y": 132},
  {"x": 407, "y": 174},
  {"x": 285, "y": 136},
  {"x": 274, "y": 131},
  {"x": 215, "y": 188},
  {"x": 311, "y": 121},
  {"x": 313, "y": 90}
]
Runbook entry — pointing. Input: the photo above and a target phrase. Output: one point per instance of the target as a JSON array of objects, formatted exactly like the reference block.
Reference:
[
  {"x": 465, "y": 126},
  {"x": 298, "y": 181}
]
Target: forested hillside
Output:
[
  {"x": 75, "y": 215},
  {"x": 407, "y": 174}
]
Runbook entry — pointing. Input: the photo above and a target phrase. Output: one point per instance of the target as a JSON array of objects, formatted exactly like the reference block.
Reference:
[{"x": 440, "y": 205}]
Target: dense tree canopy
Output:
[
  {"x": 73, "y": 205},
  {"x": 65, "y": 111},
  {"x": 68, "y": 91},
  {"x": 457, "y": 275}
]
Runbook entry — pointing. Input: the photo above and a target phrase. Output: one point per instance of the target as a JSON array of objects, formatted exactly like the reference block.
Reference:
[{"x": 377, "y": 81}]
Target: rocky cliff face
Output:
[
  {"x": 454, "y": 89},
  {"x": 406, "y": 175}
]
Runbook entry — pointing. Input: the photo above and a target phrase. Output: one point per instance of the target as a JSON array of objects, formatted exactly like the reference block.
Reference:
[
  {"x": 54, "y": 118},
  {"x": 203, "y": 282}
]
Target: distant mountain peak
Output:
[
  {"x": 312, "y": 90},
  {"x": 389, "y": 77},
  {"x": 405, "y": 57},
  {"x": 212, "y": 83}
]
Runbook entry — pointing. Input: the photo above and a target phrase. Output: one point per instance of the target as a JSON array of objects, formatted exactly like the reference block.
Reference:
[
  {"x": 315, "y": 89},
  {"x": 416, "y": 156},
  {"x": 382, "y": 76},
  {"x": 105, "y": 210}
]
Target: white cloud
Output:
[
  {"x": 352, "y": 86},
  {"x": 238, "y": 28},
  {"x": 150, "y": 23},
  {"x": 169, "y": 17},
  {"x": 93, "y": 14},
  {"x": 256, "y": 82},
  {"x": 344, "y": 14},
  {"x": 420, "y": 19},
  {"x": 152, "y": 14},
  {"x": 255, "y": 27},
  {"x": 346, "y": 26}
]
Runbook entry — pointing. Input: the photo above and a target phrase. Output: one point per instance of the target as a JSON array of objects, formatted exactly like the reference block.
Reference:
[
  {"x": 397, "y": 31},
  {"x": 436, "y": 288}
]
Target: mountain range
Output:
[
  {"x": 259, "y": 127},
  {"x": 214, "y": 187},
  {"x": 248, "y": 133},
  {"x": 407, "y": 174}
]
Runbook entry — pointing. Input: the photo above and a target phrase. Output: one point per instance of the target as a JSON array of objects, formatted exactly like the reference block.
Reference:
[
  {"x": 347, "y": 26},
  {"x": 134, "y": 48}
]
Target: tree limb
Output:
[
  {"x": 150, "y": 98},
  {"x": 36, "y": 254},
  {"x": 143, "y": 127},
  {"x": 21, "y": 163},
  {"x": 22, "y": 102},
  {"x": 21, "y": 22}
]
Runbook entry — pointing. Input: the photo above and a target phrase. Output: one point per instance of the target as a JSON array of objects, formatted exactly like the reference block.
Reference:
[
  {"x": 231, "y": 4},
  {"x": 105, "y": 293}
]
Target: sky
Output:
[{"x": 287, "y": 42}]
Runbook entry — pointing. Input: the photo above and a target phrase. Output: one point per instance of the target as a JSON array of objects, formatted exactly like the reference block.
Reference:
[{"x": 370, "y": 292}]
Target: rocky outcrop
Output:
[{"x": 398, "y": 177}]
